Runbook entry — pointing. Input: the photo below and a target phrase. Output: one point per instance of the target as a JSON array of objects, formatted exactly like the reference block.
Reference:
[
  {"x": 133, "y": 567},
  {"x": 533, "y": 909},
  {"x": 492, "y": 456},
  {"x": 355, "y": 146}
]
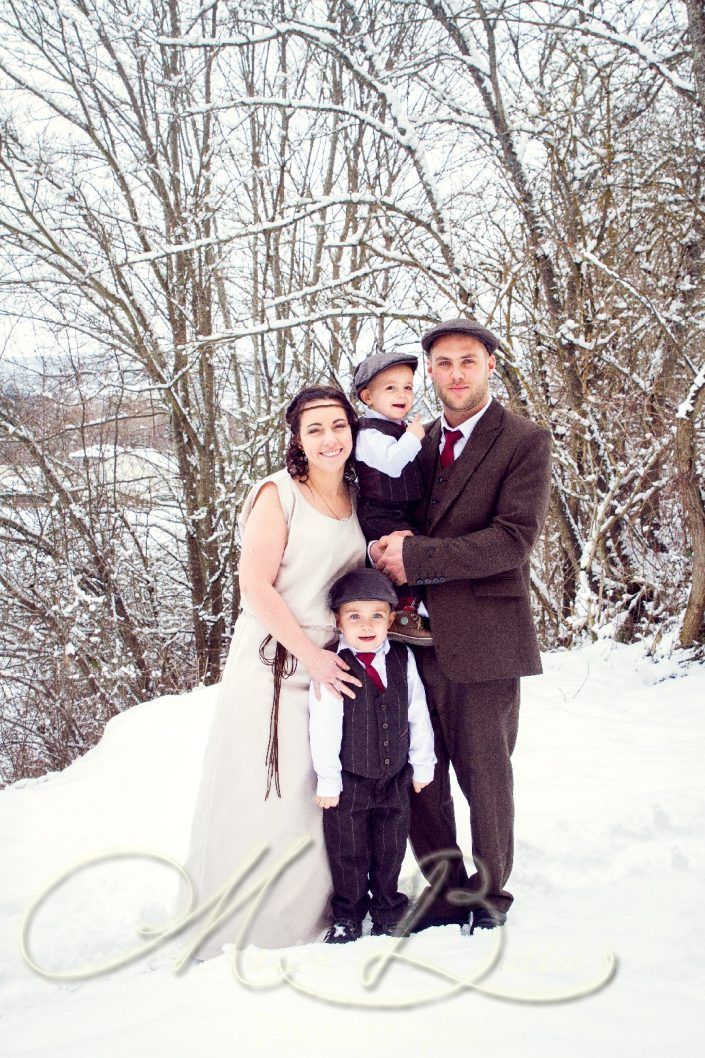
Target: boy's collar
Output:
[
  {"x": 370, "y": 413},
  {"x": 344, "y": 645}
]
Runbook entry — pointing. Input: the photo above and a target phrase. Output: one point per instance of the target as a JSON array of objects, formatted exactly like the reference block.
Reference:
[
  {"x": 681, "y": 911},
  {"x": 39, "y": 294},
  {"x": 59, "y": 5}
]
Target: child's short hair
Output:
[{"x": 362, "y": 585}]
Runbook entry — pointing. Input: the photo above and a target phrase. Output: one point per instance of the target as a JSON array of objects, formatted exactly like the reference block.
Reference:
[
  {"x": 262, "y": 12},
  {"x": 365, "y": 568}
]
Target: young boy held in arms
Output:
[{"x": 388, "y": 468}]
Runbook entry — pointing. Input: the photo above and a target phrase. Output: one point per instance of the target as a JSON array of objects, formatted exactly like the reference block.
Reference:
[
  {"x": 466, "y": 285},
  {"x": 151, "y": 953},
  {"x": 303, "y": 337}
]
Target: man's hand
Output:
[
  {"x": 390, "y": 560},
  {"x": 326, "y": 802},
  {"x": 419, "y": 786}
]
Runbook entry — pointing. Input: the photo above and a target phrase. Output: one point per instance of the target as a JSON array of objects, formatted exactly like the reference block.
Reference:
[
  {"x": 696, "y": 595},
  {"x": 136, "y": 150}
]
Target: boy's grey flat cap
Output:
[
  {"x": 372, "y": 365},
  {"x": 362, "y": 585},
  {"x": 468, "y": 326}
]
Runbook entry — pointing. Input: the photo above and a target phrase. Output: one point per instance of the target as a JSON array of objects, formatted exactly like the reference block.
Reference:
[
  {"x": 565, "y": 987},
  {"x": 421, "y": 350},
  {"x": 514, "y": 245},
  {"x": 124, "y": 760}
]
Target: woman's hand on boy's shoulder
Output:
[{"x": 327, "y": 669}]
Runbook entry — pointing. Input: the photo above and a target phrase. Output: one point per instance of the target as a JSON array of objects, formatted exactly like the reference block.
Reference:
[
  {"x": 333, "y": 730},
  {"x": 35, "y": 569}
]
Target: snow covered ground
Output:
[{"x": 608, "y": 876}]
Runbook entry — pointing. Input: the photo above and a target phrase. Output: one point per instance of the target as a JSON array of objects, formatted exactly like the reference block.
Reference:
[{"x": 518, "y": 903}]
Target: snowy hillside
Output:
[{"x": 608, "y": 879}]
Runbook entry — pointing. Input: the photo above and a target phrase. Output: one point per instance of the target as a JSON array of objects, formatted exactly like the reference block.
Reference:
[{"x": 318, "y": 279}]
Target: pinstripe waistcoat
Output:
[
  {"x": 375, "y": 485},
  {"x": 375, "y": 740}
]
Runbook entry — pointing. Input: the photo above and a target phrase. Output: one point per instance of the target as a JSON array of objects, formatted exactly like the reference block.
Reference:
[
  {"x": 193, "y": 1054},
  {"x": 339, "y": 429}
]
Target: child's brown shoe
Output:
[{"x": 408, "y": 627}]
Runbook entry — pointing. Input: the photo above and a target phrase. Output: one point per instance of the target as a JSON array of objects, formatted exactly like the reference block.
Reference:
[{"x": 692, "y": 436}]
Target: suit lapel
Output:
[
  {"x": 481, "y": 440},
  {"x": 429, "y": 449},
  {"x": 429, "y": 459}
]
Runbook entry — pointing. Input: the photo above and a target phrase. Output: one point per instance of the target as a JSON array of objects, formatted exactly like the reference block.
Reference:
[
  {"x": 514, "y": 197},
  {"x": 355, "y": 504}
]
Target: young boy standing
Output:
[
  {"x": 387, "y": 465},
  {"x": 367, "y": 752}
]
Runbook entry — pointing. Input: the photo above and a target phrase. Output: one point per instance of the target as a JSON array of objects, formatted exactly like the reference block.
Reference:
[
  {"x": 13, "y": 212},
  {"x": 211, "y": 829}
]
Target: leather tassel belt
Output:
[{"x": 283, "y": 664}]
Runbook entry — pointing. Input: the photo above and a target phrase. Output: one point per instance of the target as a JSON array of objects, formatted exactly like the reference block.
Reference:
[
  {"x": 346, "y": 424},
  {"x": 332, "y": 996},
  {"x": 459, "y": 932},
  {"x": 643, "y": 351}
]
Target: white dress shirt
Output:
[
  {"x": 387, "y": 454},
  {"x": 465, "y": 428},
  {"x": 326, "y": 726}
]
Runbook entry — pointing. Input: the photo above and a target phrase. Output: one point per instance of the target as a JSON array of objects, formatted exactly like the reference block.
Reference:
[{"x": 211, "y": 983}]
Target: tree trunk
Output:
[
  {"x": 692, "y": 630},
  {"x": 696, "y": 32}
]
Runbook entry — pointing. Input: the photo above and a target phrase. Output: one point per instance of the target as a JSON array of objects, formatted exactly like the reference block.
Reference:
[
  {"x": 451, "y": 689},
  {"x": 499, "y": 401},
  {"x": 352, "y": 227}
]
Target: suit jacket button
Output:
[
  {"x": 385, "y": 743},
  {"x": 386, "y": 760},
  {"x": 385, "y": 725}
]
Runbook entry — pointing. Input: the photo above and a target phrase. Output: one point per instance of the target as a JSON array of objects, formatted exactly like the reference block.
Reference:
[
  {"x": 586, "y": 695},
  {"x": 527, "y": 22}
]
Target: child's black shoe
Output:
[
  {"x": 391, "y": 929},
  {"x": 343, "y": 932}
]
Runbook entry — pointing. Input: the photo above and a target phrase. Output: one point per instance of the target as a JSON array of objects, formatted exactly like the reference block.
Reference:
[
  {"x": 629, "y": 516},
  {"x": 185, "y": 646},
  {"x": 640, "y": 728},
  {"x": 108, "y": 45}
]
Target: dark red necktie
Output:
[
  {"x": 448, "y": 450},
  {"x": 365, "y": 660}
]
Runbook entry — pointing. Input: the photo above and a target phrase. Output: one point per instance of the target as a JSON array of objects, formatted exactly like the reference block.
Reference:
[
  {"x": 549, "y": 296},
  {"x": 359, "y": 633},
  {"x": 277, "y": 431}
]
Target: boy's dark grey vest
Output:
[
  {"x": 375, "y": 741},
  {"x": 375, "y": 485}
]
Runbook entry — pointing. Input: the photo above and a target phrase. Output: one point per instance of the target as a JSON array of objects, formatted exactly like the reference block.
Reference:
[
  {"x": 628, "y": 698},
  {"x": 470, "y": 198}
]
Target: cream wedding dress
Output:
[{"x": 232, "y": 819}]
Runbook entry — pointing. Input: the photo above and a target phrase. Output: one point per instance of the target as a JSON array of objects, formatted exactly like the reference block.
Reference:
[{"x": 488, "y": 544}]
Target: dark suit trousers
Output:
[
  {"x": 365, "y": 840},
  {"x": 475, "y": 729}
]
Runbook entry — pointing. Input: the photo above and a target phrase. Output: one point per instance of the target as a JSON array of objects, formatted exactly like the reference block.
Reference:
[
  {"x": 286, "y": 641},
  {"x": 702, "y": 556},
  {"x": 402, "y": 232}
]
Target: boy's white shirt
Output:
[
  {"x": 384, "y": 453},
  {"x": 326, "y": 727}
]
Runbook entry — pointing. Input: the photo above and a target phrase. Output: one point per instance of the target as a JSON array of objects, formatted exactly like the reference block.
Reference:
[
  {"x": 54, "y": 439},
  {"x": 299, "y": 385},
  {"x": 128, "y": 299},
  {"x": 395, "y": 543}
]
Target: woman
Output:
[{"x": 299, "y": 533}]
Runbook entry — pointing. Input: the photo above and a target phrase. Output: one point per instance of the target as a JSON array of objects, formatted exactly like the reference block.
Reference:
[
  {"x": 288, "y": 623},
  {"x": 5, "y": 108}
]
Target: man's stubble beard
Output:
[{"x": 473, "y": 400}]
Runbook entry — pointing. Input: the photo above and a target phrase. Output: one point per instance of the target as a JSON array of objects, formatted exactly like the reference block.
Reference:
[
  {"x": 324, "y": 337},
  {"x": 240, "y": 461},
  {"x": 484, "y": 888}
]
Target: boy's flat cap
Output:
[
  {"x": 362, "y": 585},
  {"x": 372, "y": 365},
  {"x": 460, "y": 326}
]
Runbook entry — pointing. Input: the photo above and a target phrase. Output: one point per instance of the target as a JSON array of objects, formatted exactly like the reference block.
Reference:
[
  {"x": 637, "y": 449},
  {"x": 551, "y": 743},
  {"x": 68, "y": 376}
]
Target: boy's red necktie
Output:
[{"x": 365, "y": 660}]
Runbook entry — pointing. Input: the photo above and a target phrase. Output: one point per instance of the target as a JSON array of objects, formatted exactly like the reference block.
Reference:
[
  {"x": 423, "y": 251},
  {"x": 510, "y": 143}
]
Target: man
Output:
[{"x": 488, "y": 475}]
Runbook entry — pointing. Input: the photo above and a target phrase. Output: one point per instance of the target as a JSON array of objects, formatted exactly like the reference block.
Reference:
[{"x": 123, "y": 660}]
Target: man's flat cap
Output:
[
  {"x": 362, "y": 585},
  {"x": 372, "y": 365},
  {"x": 468, "y": 326}
]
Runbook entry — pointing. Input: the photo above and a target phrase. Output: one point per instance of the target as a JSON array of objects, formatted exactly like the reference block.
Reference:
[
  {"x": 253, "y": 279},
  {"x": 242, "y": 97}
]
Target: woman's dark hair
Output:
[{"x": 296, "y": 461}]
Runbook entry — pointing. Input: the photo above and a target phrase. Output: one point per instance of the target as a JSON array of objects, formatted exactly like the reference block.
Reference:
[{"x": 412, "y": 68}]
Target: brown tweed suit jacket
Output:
[{"x": 480, "y": 520}]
